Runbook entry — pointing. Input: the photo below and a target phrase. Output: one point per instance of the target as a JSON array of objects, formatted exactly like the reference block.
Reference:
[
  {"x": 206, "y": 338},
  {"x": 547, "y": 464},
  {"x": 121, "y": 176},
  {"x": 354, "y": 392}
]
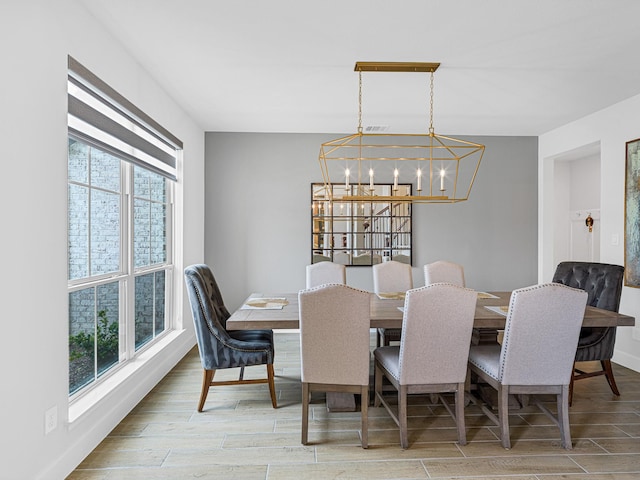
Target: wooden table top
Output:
[{"x": 385, "y": 313}]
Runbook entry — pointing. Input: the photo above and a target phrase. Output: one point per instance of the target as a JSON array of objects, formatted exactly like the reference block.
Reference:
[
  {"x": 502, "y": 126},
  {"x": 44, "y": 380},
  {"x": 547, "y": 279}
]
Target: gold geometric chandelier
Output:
[{"x": 438, "y": 169}]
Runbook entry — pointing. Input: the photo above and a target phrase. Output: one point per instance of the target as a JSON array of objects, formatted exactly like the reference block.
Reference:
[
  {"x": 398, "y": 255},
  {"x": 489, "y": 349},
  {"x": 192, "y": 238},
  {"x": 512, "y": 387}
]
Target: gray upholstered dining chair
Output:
[
  {"x": 318, "y": 257},
  {"x": 342, "y": 257},
  {"x": 216, "y": 294},
  {"x": 325, "y": 272},
  {"x": 218, "y": 348},
  {"x": 444, "y": 271},
  {"x": 603, "y": 283},
  {"x": 433, "y": 352},
  {"x": 536, "y": 356},
  {"x": 334, "y": 346},
  {"x": 402, "y": 258},
  {"x": 391, "y": 277}
]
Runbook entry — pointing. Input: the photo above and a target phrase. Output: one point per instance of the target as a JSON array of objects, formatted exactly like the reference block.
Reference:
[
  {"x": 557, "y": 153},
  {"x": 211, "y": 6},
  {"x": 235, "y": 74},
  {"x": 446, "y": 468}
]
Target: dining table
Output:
[
  {"x": 280, "y": 312},
  {"x": 257, "y": 312}
]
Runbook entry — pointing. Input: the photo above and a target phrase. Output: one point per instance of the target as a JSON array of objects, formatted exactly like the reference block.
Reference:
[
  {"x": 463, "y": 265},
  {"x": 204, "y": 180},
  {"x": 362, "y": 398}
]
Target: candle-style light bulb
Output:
[
  {"x": 346, "y": 178},
  {"x": 419, "y": 179},
  {"x": 395, "y": 179},
  {"x": 371, "y": 179},
  {"x": 442, "y": 180}
]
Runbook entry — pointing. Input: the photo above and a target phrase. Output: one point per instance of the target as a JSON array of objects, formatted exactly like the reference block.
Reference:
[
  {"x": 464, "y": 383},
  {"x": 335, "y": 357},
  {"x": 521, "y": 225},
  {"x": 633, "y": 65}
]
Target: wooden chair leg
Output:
[
  {"x": 402, "y": 416},
  {"x": 207, "y": 377},
  {"x": 563, "y": 418},
  {"x": 571, "y": 380},
  {"x": 462, "y": 432},
  {"x": 377, "y": 385},
  {"x": 364, "y": 411},
  {"x": 305, "y": 412},
  {"x": 608, "y": 372},
  {"x": 272, "y": 384},
  {"x": 503, "y": 414}
]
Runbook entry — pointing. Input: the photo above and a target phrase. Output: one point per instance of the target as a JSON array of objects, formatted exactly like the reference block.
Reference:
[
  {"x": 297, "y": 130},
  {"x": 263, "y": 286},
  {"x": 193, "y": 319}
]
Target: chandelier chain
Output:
[
  {"x": 431, "y": 130},
  {"x": 360, "y": 102}
]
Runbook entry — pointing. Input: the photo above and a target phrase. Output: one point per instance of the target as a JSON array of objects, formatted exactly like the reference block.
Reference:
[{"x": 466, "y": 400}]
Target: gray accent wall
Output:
[{"x": 257, "y": 215}]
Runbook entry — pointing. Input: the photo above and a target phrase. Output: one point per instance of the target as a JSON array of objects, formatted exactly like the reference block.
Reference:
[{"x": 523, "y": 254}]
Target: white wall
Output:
[
  {"x": 562, "y": 201},
  {"x": 585, "y": 183},
  {"x": 577, "y": 195},
  {"x": 258, "y": 216},
  {"x": 35, "y": 39},
  {"x": 612, "y": 128}
]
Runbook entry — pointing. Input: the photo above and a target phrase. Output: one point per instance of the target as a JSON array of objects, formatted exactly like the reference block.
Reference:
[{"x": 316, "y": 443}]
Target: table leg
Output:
[{"x": 341, "y": 402}]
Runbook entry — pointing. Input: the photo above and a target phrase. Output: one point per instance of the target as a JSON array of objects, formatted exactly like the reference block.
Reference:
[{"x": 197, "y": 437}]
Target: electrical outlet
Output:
[
  {"x": 615, "y": 239},
  {"x": 50, "y": 419},
  {"x": 635, "y": 333}
]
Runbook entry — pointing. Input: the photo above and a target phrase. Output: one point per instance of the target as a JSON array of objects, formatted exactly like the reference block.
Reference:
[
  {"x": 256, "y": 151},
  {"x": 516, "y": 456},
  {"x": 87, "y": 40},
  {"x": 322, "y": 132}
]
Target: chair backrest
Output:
[
  {"x": 601, "y": 281},
  {"x": 207, "y": 317},
  {"x": 402, "y": 258},
  {"x": 541, "y": 335},
  {"x": 444, "y": 271},
  {"x": 325, "y": 272},
  {"x": 436, "y": 334},
  {"x": 342, "y": 258},
  {"x": 334, "y": 335},
  {"x": 392, "y": 276},
  {"x": 318, "y": 257},
  {"x": 216, "y": 295},
  {"x": 367, "y": 259}
]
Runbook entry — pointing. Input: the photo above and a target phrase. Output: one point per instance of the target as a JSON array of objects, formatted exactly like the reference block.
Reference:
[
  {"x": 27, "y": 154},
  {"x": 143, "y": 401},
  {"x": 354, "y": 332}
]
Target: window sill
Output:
[{"x": 87, "y": 402}]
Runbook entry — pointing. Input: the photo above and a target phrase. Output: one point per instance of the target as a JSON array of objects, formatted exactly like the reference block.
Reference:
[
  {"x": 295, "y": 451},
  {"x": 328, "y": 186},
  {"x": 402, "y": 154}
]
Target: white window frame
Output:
[
  {"x": 127, "y": 271},
  {"x": 126, "y": 279}
]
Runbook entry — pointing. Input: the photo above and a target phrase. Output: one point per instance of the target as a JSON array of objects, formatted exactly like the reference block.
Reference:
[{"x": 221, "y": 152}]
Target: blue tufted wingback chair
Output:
[
  {"x": 603, "y": 283},
  {"x": 219, "y": 348}
]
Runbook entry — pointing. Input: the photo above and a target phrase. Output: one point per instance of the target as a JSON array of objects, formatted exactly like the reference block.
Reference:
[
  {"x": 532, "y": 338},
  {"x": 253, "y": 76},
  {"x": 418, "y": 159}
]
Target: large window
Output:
[{"x": 121, "y": 171}]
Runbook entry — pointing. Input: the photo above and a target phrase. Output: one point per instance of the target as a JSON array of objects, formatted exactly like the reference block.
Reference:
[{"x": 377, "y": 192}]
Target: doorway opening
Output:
[{"x": 577, "y": 205}]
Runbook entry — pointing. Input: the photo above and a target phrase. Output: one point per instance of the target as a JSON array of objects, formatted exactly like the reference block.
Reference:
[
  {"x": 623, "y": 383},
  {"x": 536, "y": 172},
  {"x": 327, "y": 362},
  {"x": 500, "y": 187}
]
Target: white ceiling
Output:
[{"x": 508, "y": 67}]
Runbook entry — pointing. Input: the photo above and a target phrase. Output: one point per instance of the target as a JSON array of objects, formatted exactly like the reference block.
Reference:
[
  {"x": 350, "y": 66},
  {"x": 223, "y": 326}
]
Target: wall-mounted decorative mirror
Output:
[{"x": 360, "y": 233}]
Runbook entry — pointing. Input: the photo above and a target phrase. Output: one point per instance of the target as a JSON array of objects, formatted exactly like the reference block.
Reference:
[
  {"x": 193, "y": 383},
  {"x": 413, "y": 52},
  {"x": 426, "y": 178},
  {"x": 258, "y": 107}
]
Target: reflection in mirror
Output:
[{"x": 357, "y": 232}]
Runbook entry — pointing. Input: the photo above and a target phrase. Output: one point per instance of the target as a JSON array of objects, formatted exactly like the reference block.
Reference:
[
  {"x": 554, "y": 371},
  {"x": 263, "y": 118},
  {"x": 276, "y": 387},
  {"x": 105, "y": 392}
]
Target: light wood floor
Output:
[{"x": 239, "y": 435}]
